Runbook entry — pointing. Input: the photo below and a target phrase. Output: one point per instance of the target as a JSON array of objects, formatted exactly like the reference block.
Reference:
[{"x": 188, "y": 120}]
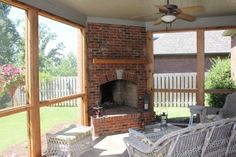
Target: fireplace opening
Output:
[{"x": 118, "y": 93}]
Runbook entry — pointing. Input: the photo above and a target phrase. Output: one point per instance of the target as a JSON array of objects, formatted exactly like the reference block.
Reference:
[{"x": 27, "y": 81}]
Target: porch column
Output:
[
  {"x": 84, "y": 115},
  {"x": 149, "y": 69},
  {"x": 233, "y": 56},
  {"x": 33, "y": 83},
  {"x": 233, "y": 63},
  {"x": 200, "y": 66}
]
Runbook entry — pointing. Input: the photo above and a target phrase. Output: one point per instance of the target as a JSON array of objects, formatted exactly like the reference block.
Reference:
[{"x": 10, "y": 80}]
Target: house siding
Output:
[{"x": 181, "y": 63}]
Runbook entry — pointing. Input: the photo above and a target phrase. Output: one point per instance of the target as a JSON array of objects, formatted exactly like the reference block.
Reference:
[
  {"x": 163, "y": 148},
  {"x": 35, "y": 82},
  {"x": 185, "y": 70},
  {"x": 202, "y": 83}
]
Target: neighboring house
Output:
[{"x": 176, "y": 52}]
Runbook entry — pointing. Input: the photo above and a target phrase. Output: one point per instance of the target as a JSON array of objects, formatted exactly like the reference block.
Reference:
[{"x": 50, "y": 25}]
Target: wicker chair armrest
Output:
[
  {"x": 212, "y": 110},
  {"x": 210, "y": 113}
]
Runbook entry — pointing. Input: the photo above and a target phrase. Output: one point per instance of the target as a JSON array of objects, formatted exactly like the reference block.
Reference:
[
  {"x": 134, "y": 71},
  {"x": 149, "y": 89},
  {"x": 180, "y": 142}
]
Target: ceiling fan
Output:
[{"x": 171, "y": 12}]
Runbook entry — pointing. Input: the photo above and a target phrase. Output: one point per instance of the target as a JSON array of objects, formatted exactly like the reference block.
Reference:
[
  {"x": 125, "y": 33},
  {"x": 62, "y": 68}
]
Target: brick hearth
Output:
[
  {"x": 106, "y": 41},
  {"x": 119, "y": 123}
]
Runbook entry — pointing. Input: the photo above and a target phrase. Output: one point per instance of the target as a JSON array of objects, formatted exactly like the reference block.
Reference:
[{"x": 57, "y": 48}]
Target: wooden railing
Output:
[
  {"x": 179, "y": 90},
  {"x": 55, "y": 88},
  {"x": 170, "y": 90}
]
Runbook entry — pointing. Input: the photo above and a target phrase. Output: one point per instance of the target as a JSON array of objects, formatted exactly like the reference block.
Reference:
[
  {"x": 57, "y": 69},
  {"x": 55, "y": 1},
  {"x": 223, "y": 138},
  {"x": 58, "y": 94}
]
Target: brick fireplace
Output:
[{"x": 117, "y": 86}]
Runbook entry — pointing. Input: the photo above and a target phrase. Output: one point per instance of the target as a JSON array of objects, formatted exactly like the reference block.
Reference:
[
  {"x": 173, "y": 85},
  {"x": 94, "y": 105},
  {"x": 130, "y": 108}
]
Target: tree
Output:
[
  {"x": 52, "y": 57},
  {"x": 219, "y": 77},
  {"x": 10, "y": 40},
  {"x": 67, "y": 67},
  {"x": 11, "y": 45}
]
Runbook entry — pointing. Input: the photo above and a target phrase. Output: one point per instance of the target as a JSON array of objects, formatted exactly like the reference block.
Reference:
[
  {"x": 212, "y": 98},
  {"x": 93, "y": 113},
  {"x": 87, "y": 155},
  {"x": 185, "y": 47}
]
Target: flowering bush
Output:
[{"x": 10, "y": 78}]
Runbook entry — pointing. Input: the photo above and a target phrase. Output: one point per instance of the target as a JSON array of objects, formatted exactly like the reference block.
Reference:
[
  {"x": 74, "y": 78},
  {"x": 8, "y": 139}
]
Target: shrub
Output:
[
  {"x": 219, "y": 77},
  {"x": 5, "y": 100},
  {"x": 10, "y": 76}
]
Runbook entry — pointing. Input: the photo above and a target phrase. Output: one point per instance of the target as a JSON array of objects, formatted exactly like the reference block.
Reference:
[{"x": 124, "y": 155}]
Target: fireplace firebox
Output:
[{"x": 118, "y": 93}]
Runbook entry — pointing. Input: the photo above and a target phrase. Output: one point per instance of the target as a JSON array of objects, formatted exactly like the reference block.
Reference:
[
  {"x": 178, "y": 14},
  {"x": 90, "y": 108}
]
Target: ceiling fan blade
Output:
[
  {"x": 186, "y": 17},
  {"x": 158, "y": 21},
  {"x": 193, "y": 9}
]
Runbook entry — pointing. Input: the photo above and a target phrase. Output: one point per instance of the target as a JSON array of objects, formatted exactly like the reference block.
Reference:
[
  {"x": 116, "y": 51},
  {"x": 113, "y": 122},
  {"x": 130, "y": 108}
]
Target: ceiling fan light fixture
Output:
[{"x": 168, "y": 18}]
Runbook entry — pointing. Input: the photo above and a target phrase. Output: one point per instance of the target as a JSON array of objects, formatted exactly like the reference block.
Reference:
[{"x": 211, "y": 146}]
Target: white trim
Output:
[
  {"x": 59, "y": 10},
  {"x": 115, "y": 21},
  {"x": 199, "y": 23}
]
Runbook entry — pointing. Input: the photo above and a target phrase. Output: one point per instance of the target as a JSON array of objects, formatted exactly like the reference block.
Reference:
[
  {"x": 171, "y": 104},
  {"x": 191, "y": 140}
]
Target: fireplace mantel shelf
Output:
[{"x": 118, "y": 61}]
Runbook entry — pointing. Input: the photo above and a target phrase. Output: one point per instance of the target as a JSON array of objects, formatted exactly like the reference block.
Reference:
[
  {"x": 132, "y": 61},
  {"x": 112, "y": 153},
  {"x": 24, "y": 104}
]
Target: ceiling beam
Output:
[
  {"x": 200, "y": 23},
  {"x": 77, "y": 17},
  {"x": 57, "y": 9},
  {"x": 115, "y": 21}
]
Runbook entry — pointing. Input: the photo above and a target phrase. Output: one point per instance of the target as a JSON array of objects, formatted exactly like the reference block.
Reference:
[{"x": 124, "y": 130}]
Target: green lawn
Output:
[
  {"x": 175, "y": 114},
  {"x": 13, "y": 128}
]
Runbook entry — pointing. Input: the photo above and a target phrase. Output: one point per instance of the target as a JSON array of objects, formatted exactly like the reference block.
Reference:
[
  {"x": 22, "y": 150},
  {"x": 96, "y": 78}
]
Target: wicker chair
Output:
[
  {"x": 210, "y": 139},
  {"x": 228, "y": 111}
]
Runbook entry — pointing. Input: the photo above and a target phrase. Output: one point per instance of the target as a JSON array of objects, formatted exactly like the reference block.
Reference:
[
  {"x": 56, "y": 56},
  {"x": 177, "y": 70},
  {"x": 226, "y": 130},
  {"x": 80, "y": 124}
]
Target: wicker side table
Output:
[{"x": 70, "y": 142}]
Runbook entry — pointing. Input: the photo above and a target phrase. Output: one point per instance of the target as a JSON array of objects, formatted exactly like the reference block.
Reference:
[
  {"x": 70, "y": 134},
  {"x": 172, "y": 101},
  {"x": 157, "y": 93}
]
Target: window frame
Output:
[{"x": 32, "y": 80}]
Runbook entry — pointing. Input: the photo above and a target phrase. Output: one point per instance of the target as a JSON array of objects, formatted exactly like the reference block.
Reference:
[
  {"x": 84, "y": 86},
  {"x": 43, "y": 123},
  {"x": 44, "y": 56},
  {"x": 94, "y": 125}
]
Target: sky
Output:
[{"x": 65, "y": 33}]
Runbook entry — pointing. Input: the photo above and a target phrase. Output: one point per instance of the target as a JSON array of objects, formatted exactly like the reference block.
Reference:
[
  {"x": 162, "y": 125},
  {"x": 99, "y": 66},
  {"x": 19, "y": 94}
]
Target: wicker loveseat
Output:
[{"x": 216, "y": 139}]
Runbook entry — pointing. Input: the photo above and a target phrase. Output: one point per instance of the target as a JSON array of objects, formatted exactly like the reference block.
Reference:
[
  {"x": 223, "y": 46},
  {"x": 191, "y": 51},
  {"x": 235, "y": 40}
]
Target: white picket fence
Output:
[
  {"x": 174, "y": 81},
  {"x": 53, "y": 88},
  {"x": 63, "y": 86}
]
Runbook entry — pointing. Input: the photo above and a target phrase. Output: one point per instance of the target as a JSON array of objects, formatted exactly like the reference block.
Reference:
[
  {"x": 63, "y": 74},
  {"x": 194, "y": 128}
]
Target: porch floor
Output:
[{"x": 108, "y": 146}]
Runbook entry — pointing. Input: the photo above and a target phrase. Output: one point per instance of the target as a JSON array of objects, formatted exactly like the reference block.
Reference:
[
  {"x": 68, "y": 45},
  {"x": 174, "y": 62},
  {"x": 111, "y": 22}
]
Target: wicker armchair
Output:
[
  {"x": 204, "y": 140},
  {"x": 228, "y": 111}
]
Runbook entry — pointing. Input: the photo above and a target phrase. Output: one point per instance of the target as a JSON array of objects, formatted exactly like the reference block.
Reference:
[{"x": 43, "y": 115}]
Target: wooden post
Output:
[
  {"x": 79, "y": 74},
  {"x": 200, "y": 66},
  {"x": 149, "y": 69},
  {"x": 33, "y": 83},
  {"x": 84, "y": 114},
  {"x": 233, "y": 63}
]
